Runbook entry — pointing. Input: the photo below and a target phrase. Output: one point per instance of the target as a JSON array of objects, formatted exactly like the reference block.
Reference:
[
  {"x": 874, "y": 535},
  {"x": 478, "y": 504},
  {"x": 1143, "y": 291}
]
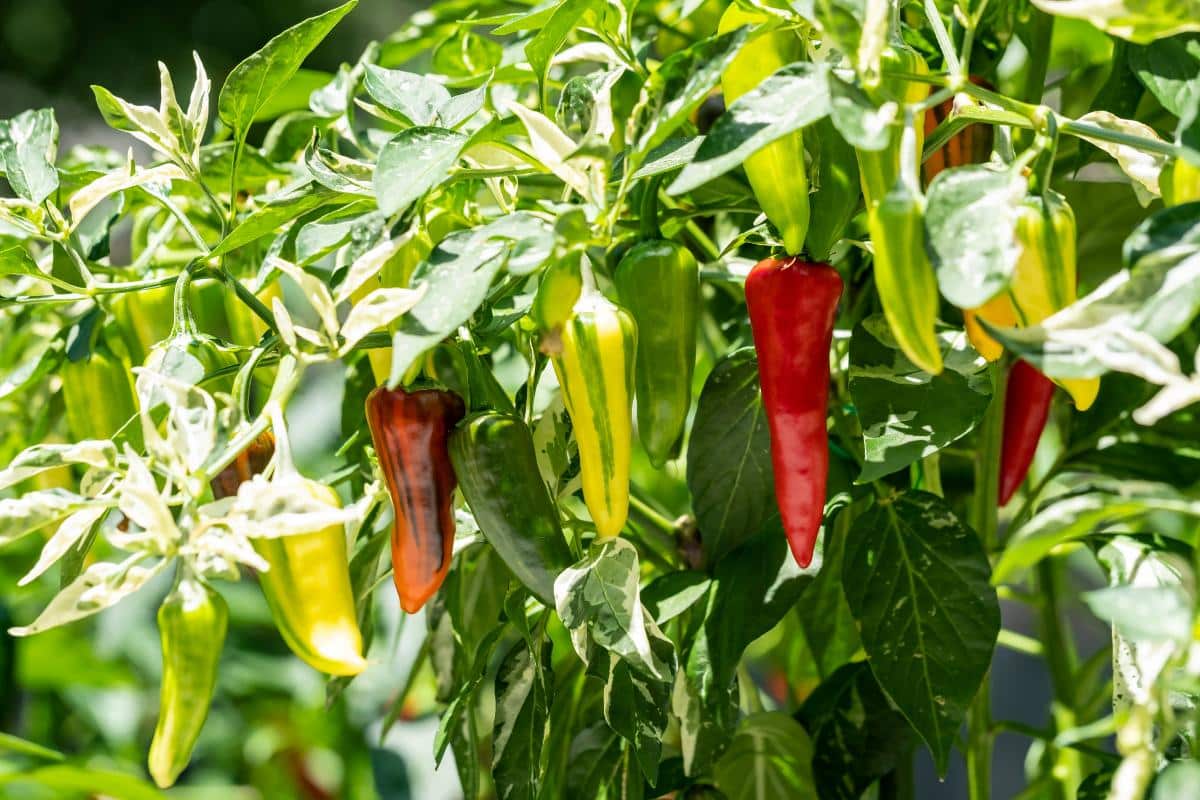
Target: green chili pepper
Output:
[
  {"x": 835, "y": 198},
  {"x": 187, "y": 354},
  {"x": 777, "y": 172},
  {"x": 99, "y": 396},
  {"x": 904, "y": 277},
  {"x": 191, "y": 623},
  {"x": 879, "y": 169},
  {"x": 558, "y": 290},
  {"x": 595, "y": 371},
  {"x": 659, "y": 283},
  {"x": 497, "y": 470}
]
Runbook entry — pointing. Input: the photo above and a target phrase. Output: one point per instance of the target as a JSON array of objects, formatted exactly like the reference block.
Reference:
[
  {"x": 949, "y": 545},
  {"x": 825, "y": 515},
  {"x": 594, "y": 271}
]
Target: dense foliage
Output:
[{"x": 479, "y": 301}]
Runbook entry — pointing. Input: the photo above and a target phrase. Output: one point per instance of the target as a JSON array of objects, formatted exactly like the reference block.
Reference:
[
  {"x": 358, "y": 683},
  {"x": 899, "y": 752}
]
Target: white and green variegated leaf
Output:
[
  {"x": 283, "y": 507},
  {"x": 28, "y": 147},
  {"x": 99, "y": 453},
  {"x": 33, "y": 511},
  {"x": 70, "y": 532},
  {"x": 377, "y": 310},
  {"x": 101, "y": 585}
]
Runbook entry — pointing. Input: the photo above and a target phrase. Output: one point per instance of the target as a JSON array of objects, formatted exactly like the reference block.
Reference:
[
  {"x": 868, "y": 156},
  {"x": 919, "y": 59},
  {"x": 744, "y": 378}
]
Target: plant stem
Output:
[
  {"x": 984, "y": 520},
  {"x": 657, "y": 532},
  {"x": 1059, "y": 651}
]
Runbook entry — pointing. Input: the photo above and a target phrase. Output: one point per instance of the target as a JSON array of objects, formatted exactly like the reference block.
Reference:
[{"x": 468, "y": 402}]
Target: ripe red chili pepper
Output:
[
  {"x": 1026, "y": 409},
  {"x": 792, "y": 305},
  {"x": 410, "y": 432}
]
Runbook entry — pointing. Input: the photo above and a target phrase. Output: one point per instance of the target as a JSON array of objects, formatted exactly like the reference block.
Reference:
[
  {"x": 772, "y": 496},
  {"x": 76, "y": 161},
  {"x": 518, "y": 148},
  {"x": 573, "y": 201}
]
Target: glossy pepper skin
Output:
[
  {"x": 971, "y": 145},
  {"x": 558, "y": 291},
  {"x": 146, "y": 317},
  {"x": 1026, "y": 408},
  {"x": 659, "y": 283},
  {"x": 835, "y": 197},
  {"x": 99, "y": 396},
  {"x": 595, "y": 372},
  {"x": 1180, "y": 182},
  {"x": 410, "y": 431},
  {"x": 777, "y": 172},
  {"x": 308, "y": 584},
  {"x": 904, "y": 277},
  {"x": 879, "y": 169},
  {"x": 1043, "y": 282},
  {"x": 792, "y": 306},
  {"x": 191, "y": 623},
  {"x": 187, "y": 354},
  {"x": 494, "y": 459}
]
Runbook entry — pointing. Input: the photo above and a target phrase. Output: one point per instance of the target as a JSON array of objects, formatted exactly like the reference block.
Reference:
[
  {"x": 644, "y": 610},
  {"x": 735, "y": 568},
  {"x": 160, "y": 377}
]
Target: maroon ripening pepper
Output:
[
  {"x": 1026, "y": 408},
  {"x": 410, "y": 432},
  {"x": 792, "y": 305}
]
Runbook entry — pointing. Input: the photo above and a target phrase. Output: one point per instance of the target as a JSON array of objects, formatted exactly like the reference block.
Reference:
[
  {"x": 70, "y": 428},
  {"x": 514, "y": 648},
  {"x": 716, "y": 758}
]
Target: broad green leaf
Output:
[
  {"x": 795, "y": 96},
  {"x": 552, "y": 35},
  {"x": 770, "y": 759},
  {"x": 729, "y": 470},
  {"x": 522, "y": 709},
  {"x": 413, "y": 162},
  {"x": 683, "y": 81},
  {"x": 1075, "y": 517},
  {"x": 16, "y": 260},
  {"x": 28, "y": 147},
  {"x": 1170, "y": 69},
  {"x": 857, "y": 119},
  {"x": 916, "y": 579},
  {"x": 907, "y": 414},
  {"x": 457, "y": 276},
  {"x": 415, "y": 97},
  {"x": 599, "y": 597},
  {"x": 1139, "y": 21},
  {"x": 39, "y": 361},
  {"x": 857, "y": 736},
  {"x": 824, "y": 619},
  {"x": 970, "y": 226},
  {"x": 252, "y": 83},
  {"x": 280, "y": 209},
  {"x": 672, "y": 594}
]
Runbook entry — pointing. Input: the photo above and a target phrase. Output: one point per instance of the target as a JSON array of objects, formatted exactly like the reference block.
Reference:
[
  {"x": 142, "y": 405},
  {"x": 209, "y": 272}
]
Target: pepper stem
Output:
[
  {"x": 648, "y": 219},
  {"x": 182, "y": 322}
]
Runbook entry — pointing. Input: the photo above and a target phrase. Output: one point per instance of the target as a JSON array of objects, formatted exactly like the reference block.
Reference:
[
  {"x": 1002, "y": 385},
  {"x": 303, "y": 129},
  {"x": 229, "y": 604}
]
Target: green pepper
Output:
[
  {"x": 595, "y": 372},
  {"x": 659, "y": 283},
  {"x": 497, "y": 470},
  {"x": 835, "y": 198},
  {"x": 146, "y": 317},
  {"x": 777, "y": 172},
  {"x": 1180, "y": 182},
  {"x": 187, "y": 354},
  {"x": 558, "y": 290},
  {"x": 904, "y": 277},
  {"x": 99, "y": 396},
  {"x": 879, "y": 169},
  {"x": 191, "y": 624}
]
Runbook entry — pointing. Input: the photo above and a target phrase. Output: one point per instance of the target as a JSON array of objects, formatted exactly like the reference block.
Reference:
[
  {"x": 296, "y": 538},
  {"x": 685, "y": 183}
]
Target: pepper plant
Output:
[{"x": 697, "y": 365}]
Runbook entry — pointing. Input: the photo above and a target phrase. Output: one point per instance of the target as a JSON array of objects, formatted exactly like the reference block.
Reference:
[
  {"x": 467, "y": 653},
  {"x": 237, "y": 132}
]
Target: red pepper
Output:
[
  {"x": 1026, "y": 409},
  {"x": 410, "y": 432},
  {"x": 792, "y": 308}
]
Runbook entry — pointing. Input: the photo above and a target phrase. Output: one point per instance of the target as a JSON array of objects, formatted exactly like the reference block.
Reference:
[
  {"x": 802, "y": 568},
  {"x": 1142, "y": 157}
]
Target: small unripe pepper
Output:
[
  {"x": 494, "y": 459},
  {"x": 793, "y": 305},
  {"x": 559, "y": 288},
  {"x": 659, "y": 283},
  {"x": 777, "y": 172},
  {"x": 880, "y": 169},
  {"x": 191, "y": 624},
  {"x": 99, "y": 396},
  {"x": 410, "y": 431},
  {"x": 1026, "y": 408},
  {"x": 187, "y": 354},
  {"x": 595, "y": 372}
]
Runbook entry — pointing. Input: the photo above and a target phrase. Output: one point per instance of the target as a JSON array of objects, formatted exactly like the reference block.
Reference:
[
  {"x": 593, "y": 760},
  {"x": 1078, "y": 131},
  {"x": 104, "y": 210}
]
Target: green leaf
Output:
[
  {"x": 829, "y": 630},
  {"x": 857, "y": 119},
  {"x": 252, "y": 83},
  {"x": 1139, "y": 21},
  {"x": 1144, "y": 613},
  {"x": 1169, "y": 68},
  {"x": 16, "y": 260},
  {"x": 686, "y": 78},
  {"x": 770, "y": 759},
  {"x": 670, "y": 595},
  {"x": 729, "y": 470},
  {"x": 28, "y": 147},
  {"x": 415, "y": 97},
  {"x": 24, "y": 747},
  {"x": 795, "y": 96},
  {"x": 907, "y": 414},
  {"x": 970, "y": 224},
  {"x": 594, "y": 758},
  {"x": 42, "y": 359},
  {"x": 522, "y": 709},
  {"x": 636, "y": 707},
  {"x": 916, "y": 579},
  {"x": 541, "y": 49},
  {"x": 1075, "y": 517},
  {"x": 413, "y": 162},
  {"x": 857, "y": 736},
  {"x": 337, "y": 172},
  {"x": 598, "y": 598},
  {"x": 280, "y": 209},
  {"x": 74, "y": 780}
]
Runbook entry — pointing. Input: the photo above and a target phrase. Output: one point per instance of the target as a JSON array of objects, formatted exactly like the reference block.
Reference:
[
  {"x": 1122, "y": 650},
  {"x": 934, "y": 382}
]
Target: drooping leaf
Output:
[{"x": 916, "y": 580}]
